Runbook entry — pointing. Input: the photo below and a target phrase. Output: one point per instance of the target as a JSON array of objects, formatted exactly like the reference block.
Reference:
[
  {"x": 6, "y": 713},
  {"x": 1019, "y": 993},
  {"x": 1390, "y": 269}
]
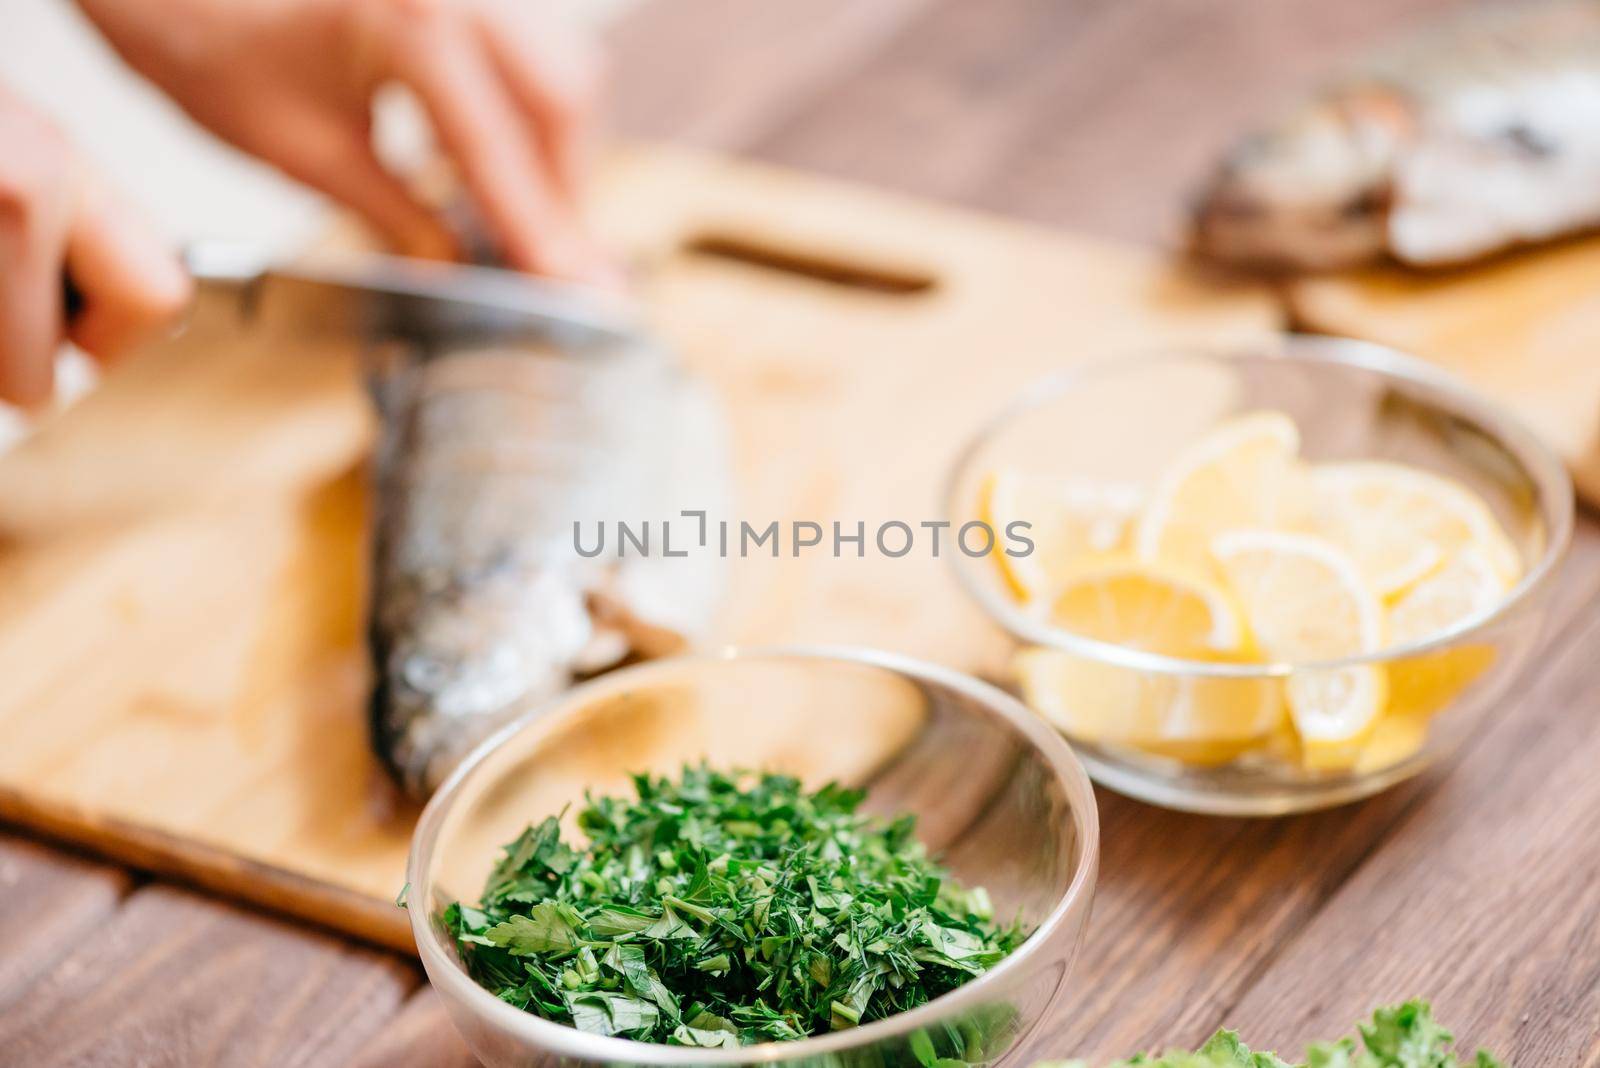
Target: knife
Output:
[{"x": 432, "y": 301}]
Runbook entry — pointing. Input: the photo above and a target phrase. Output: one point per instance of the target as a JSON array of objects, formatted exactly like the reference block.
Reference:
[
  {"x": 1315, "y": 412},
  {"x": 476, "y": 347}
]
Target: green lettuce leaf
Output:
[{"x": 1401, "y": 1036}]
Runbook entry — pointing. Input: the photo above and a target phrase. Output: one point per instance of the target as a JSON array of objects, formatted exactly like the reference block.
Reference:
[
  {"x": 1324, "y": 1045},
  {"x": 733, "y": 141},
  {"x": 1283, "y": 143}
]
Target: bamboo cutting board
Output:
[
  {"x": 1525, "y": 329},
  {"x": 181, "y": 577}
]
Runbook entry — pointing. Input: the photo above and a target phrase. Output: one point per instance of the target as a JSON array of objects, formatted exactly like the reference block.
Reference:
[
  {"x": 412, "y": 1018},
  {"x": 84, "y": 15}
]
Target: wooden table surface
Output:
[{"x": 1476, "y": 888}]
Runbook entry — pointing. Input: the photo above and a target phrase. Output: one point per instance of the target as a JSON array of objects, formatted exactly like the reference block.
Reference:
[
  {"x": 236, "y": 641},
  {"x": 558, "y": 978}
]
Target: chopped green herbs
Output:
[
  {"x": 725, "y": 909},
  {"x": 1403, "y": 1036}
]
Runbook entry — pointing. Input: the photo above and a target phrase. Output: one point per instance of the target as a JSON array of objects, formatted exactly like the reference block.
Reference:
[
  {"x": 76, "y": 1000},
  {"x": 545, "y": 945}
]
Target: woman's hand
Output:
[
  {"x": 511, "y": 96},
  {"x": 59, "y": 222}
]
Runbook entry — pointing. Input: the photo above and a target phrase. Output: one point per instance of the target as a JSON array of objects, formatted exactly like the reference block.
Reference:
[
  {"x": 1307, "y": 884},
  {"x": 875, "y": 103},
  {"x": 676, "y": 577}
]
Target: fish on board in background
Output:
[
  {"x": 481, "y": 605},
  {"x": 1479, "y": 136}
]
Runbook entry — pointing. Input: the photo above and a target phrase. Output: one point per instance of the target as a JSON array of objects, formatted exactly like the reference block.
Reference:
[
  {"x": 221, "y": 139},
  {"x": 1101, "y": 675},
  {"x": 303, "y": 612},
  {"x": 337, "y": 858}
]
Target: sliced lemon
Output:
[
  {"x": 1243, "y": 473},
  {"x": 1187, "y": 717},
  {"x": 1305, "y": 599},
  {"x": 1400, "y": 523},
  {"x": 1148, "y": 605},
  {"x": 1426, "y": 685},
  {"x": 1068, "y": 518},
  {"x": 1361, "y": 511},
  {"x": 1470, "y": 584},
  {"x": 1467, "y": 586},
  {"x": 1335, "y": 711}
]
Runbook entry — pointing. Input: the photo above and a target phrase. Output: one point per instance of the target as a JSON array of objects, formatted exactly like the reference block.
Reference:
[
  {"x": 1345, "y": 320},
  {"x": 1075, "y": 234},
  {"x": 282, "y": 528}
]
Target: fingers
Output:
[
  {"x": 475, "y": 119},
  {"x": 330, "y": 153},
  {"x": 56, "y": 224},
  {"x": 131, "y": 282},
  {"x": 441, "y": 56},
  {"x": 36, "y": 174},
  {"x": 30, "y": 314},
  {"x": 555, "y": 77}
]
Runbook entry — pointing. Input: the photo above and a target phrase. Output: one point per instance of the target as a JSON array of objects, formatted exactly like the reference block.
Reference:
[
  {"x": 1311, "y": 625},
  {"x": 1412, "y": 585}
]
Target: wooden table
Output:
[{"x": 1477, "y": 888}]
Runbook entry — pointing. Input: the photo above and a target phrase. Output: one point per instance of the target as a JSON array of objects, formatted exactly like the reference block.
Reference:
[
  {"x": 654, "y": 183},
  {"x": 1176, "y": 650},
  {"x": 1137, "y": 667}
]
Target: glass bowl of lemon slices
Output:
[{"x": 1265, "y": 581}]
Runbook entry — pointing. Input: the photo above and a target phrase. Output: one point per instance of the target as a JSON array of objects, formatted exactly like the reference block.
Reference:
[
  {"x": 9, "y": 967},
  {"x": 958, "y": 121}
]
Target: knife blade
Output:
[{"x": 425, "y": 300}]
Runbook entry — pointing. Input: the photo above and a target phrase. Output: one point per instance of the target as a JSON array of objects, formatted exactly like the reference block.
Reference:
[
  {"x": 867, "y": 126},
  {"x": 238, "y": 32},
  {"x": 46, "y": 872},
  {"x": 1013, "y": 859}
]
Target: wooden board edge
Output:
[
  {"x": 1330, "y": 305},
  {"x": 237, "y": 878}
]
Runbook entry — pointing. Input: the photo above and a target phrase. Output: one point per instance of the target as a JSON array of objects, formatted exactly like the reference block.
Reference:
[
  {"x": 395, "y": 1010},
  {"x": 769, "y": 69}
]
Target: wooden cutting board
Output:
[
  {"x": 1525, "y": 329},
  {"x": 181, "y": 579}
]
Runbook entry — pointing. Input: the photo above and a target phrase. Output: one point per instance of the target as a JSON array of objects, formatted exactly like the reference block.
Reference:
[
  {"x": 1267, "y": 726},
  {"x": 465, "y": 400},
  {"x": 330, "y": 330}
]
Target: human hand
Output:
[
  {"x": 59, "y": 221},
  {"x": 510, "y": 93}
]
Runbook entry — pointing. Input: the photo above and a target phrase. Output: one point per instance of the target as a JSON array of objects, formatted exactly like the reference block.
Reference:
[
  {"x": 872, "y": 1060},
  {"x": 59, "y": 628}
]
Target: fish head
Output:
[{"x": 1311, "y": 192}]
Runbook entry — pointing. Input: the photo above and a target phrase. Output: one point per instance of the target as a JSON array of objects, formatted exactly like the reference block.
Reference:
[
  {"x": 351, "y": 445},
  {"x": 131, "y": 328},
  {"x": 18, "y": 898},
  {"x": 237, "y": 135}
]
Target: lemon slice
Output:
[
  {"x": 1469, "y": 585},
  {"x": 1425, "y": 685},
  {"x": 1243, "y": 473},
  {"x": 1190, "y": 718},
  {"x": 1068, "y": 519},
  {"x": 1305, "y": 599},
  {"x": 1399, "y": 523},
  {"x": 1359, "y": 513},
  {"x": 1148, "y": 605},
  {"x": 1335, "y": 712},
  {"x": 1302, "y": 596}
]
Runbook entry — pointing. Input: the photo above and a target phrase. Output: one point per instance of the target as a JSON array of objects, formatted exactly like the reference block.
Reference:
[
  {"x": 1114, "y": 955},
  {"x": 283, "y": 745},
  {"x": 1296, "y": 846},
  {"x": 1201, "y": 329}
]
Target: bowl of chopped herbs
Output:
[{"x": 795, "y": 855}]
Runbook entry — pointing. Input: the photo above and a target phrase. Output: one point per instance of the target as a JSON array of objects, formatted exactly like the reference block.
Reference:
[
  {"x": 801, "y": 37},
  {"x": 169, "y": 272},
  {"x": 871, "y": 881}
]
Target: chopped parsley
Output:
[
  {"x": 1402, "y": 1036},
  {"x": 722, "y": 909}
]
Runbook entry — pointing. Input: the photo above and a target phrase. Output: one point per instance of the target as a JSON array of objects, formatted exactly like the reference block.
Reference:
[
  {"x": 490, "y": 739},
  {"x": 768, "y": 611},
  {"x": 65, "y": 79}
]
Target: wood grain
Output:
[
  {"x": 179, "y": 979},
  {"x": 52, "y": 899},
  {"x": 420, "y": 1035},
  {"x": 1186, "y": 908},
  {"x": 720, "y": 73},
  {"x": 1099, "y": 115}
]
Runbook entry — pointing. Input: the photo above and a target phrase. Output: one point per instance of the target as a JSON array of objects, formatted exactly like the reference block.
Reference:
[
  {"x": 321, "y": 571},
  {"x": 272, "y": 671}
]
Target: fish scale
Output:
[{"x": 482, "y": 607}]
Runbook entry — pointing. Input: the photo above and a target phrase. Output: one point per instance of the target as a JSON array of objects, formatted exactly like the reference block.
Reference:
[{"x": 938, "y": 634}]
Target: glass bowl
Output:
[
  {"x": 1115, "y": 424},
  {"x": 997, "y": 795}
]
